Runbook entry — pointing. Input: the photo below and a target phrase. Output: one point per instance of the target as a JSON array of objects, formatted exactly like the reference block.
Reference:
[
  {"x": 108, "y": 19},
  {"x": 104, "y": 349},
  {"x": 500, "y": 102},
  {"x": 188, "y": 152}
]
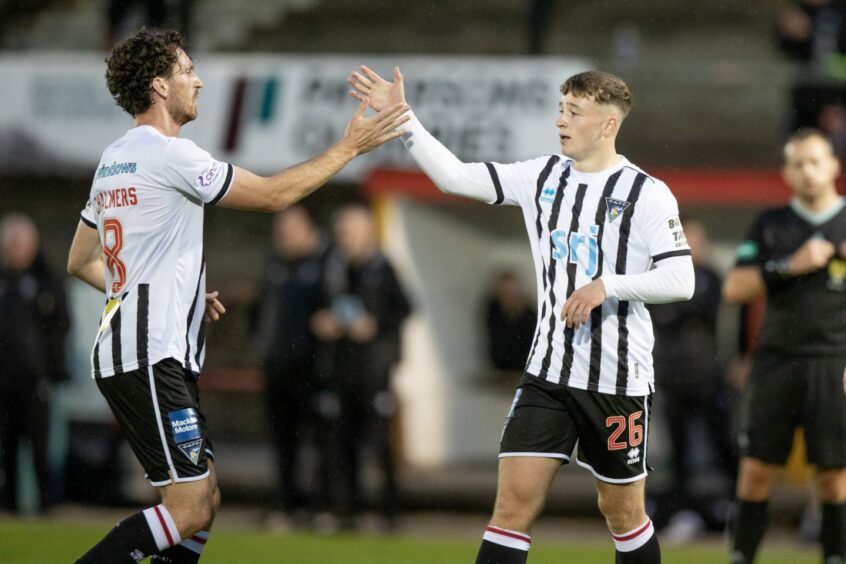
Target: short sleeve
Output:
[
  {"x": 517, "y": 183},
  {"x": 87, "y": 215},
  {"x": 662, "y": 229},
  {"x": 750, "y": 251},
  {"x": 195, "y": 172}
]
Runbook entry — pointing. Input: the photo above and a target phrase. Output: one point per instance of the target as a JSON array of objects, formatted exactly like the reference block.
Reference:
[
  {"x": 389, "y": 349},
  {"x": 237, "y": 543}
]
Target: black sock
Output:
[
  {"x": 638, "y": 546},
  {"x": 130, "y": 541},
  {"x": 187, "y": 552},
  {"x": 502, "y": 546},
  {"x": 748, "y": 527},
  {"x": 833, "y": 532}
]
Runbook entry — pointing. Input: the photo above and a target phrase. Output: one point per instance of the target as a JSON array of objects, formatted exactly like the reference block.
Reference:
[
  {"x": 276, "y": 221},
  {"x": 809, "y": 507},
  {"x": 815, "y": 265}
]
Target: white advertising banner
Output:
[{"x": 267, "y": 112}]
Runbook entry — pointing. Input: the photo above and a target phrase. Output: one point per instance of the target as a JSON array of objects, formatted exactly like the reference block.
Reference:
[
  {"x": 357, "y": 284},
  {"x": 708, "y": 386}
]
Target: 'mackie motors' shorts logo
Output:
[{"x": 187, "y": 433}]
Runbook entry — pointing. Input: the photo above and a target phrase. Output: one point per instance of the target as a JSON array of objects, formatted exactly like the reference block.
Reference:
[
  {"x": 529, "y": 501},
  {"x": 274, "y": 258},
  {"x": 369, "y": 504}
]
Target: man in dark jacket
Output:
[
  {"x": 289, "y": 294},
  {"x": 33, "y": 325},
  {"x": 360, "y": 332}
]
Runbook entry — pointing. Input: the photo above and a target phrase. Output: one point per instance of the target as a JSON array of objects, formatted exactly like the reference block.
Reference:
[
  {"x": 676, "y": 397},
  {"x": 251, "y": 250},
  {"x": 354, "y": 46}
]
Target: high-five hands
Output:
[
  {"x": 363, "y": 134},
  {"x": 577, "y": 308},
  {"x": 379, "y": 92}
]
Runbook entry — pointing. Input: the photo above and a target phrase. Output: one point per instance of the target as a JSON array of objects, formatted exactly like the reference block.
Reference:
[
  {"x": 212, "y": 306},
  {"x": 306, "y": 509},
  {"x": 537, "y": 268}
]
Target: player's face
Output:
[
  {"x": 810, "y": 168},
  {"x": 579, "y": 126},
  {"x": 184, "y": 86}
]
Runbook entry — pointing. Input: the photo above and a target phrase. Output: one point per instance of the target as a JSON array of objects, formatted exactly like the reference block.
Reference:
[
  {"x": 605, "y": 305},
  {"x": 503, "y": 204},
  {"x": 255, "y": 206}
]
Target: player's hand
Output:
[
  {"x": 813, "y": 255},
  {"x": 379, "y": 92},
  {"x": 363, "y": 134},
  {"x": 577, "y": 308},
  {"x": 363, "y": 329},
  {"x": 214, "y": 309},
  {"x": 326, "y": 326}
]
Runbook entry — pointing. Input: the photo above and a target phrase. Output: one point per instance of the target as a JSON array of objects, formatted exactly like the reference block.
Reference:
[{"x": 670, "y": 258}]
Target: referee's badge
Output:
[
  {"x": 615, "y": 208},
  {"x": 186, "y": 432}
]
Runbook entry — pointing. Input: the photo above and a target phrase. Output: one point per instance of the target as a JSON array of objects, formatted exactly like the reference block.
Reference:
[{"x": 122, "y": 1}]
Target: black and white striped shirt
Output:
[
  {"x": 146, "y": 203},
  {"x": 581, "y": 226}
]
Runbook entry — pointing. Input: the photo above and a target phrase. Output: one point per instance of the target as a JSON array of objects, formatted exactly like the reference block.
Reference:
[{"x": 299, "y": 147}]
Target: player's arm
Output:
[
  {"x": 85, "y": 259},
  {"x": 448, "y": 172},
  {"x": 362, "y": 135},
  {"x": 743, "y": 285}
]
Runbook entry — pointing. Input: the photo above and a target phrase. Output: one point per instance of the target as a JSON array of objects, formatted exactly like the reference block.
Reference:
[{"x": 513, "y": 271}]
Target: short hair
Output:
[
  {"x": 603, "y": 87},
  {"x": 805, "y": 133},
  {"x": 134, "y": 64}
]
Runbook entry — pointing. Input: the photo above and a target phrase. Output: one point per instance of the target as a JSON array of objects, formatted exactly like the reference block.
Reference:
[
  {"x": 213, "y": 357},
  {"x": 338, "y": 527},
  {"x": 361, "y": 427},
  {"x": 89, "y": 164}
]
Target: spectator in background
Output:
[
  {"x": 33, "y": 325},
  {"x": 289, "y": 295},
  {"x": 691, "y": 379},
  {"x": 510, "y": 322},
  {"x": 360, "y": 332},
  {"x": 812, "y": 30}
]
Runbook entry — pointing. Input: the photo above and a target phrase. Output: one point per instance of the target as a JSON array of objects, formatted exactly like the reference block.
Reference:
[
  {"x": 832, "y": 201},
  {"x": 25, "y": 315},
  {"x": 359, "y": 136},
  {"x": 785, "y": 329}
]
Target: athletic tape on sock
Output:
[
  {"x": 634, "y": 539},
  {"x": 505, "y": 537},
  {"x": 162, "y": 526}
]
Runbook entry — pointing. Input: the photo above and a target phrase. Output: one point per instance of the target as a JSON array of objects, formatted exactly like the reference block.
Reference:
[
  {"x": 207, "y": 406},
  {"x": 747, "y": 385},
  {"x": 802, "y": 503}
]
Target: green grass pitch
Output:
[{"x": 45, "y": 542}]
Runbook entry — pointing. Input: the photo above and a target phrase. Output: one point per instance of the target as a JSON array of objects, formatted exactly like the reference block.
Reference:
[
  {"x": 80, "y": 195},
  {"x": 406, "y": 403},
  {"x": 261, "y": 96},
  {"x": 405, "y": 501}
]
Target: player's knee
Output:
[
  {"x": 515, "y": 509},
  {"x": 621, "y": 515},
  {"x": 832, "y": 486},
  {"x": 755, "y": 480}
]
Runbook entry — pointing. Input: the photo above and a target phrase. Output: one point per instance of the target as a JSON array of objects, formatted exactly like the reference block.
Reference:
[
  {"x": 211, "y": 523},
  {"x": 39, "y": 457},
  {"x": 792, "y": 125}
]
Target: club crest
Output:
[{"x": 615, "y": 208}]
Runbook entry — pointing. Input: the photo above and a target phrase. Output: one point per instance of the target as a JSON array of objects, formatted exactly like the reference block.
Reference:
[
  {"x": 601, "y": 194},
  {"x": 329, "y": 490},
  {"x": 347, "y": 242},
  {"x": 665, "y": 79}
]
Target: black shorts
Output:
[
  {"x": 547, "y": 420},
  {"x": 158, "y": 410},
  {"x": 786, "y": 392}
]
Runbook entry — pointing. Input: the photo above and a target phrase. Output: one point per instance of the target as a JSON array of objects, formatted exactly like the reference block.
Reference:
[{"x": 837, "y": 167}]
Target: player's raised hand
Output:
[
  {"x": 363, "y": 134},
  {"x": 813, "y": 255},
  {"x": 366, "y": 83},
  {"x": 577, "y": 308}
]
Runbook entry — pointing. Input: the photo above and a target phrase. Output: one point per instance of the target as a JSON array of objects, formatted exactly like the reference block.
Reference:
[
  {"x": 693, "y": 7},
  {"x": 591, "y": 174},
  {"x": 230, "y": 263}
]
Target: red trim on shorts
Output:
[
  {"x": 505, "y": 533},
  {"x": 163, "y": 524},
  {"x": 634, "y": 534},
  {"x": 198, "y": 539}
]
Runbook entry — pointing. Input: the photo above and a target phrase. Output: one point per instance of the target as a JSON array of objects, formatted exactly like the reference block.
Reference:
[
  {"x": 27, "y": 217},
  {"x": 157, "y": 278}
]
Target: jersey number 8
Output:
[{"x": 111, "y": 249}]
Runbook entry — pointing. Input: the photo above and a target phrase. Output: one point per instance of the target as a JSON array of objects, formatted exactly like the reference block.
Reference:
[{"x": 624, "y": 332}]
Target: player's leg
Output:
[
  {"x": 158, "y": 411},
  {"x": 824, "y": 420},
  {"x": 521, "y": 491},
  {"x": 832, "y": 488},
  {"x": 755, "y": 480},
  {"x": 539, "y": 436},
  {"x": 613, "y": 445},
  {"x": 191, "y": 548},
  {"x": 624, "y": 508},
  {"x": 769, "y": 415}
]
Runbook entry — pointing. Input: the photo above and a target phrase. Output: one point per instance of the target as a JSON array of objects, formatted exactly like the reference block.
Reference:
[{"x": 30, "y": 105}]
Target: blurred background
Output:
[{"x": 717, "y": 86}]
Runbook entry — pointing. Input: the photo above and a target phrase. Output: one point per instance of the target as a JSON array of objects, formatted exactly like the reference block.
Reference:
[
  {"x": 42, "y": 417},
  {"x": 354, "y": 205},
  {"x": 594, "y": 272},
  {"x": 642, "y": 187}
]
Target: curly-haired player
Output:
[{"x": 140, "y": 240}]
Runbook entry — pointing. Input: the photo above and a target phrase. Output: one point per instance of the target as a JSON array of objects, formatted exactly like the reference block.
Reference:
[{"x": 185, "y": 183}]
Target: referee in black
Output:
[{"x": 796, "y": 256}]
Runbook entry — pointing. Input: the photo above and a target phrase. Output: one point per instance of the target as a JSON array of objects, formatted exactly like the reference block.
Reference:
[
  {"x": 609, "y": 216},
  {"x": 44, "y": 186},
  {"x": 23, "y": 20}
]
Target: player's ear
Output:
[
  {"x": 612, "y": 124},
  {"x": 160, "y": 87}
]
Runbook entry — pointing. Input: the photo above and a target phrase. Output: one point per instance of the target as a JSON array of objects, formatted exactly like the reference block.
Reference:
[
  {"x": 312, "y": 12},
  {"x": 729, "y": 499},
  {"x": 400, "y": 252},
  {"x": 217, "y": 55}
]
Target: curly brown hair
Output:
[
  {"x": 136, "y": 62},
  {"x": 603, "y": 87}
]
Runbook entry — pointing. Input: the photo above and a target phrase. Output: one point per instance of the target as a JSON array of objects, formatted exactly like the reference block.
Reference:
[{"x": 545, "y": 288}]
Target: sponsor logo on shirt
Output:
[
  {"x": 208, "y": 177},
  {"x": 570, "y": 247},
  {"x": 115, "y": 169}
]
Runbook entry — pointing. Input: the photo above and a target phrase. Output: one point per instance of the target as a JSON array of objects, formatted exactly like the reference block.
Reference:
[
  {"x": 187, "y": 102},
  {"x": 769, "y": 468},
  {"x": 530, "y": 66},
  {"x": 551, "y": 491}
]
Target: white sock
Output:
[
  {"x": 634, "y": 539},
  {"x": 162, "y": 526},
  {"x": 505, "y": 537}
]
